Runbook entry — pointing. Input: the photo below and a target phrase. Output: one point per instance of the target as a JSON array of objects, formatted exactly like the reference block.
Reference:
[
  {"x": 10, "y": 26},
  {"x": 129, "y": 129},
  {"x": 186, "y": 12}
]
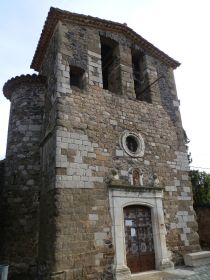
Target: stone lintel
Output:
[{"x": 125, "y": 186}]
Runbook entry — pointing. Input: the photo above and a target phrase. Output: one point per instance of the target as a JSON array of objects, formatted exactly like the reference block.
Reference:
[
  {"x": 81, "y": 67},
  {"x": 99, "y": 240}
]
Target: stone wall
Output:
[
  {"x": 89, "y": 123},
  {"x": 22, "y": 175},
  {"x": 2, "y": 163},
  {"x": 48, "y": 212},
  {"x": 104, "y": 116}
]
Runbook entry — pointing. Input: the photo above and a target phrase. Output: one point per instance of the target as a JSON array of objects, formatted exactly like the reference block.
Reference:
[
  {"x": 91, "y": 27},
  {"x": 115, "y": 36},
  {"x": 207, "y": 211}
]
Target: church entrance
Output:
[{"x": 140, "y": 253}]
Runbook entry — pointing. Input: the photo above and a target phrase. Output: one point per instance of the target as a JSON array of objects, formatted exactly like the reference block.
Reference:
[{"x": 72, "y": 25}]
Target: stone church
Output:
[{"x": 95, "y": 180}]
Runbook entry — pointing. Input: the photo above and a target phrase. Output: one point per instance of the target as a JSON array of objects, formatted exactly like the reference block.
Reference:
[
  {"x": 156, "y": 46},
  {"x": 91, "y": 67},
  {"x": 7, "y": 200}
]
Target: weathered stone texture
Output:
[
  {"x": 88, "y": 143},
  {"x": 83, "y": 243},
  {"x": 22, "y": 178},
  {"x": 2, "y": 172},
  {"x": 2, "y": 166},
  {"x": 78, "y": 136}
]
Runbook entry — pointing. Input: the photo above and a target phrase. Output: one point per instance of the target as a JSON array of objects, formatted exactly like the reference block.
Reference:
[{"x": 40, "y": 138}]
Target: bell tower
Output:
[{"x": 96, "y": 156}]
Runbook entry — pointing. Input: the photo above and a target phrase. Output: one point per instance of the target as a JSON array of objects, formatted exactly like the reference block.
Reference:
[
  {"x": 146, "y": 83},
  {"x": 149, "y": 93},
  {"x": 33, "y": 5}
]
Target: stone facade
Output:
[{"x": 65, "y": 156}]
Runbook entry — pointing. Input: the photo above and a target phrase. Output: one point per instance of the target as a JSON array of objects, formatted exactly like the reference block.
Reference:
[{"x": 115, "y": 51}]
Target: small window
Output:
[
  {"x": 132, "y": 143},
  {"x": 77, "y": 77},
  {"x": 110, "y": 64}
]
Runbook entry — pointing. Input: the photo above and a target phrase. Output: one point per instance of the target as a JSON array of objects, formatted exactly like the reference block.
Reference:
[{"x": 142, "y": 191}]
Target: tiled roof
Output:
[
  {"x": 11, "y": 84},
  {"x": 55, "y": 15}
]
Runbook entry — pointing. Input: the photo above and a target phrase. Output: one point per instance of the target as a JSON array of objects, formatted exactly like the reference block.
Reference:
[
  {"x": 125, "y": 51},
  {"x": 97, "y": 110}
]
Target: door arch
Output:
[{"x": 140, "y": 254}]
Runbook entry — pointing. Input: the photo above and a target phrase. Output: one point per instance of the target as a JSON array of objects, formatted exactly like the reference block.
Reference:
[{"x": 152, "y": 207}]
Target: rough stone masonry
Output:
[{"x": 100, "y": 121}]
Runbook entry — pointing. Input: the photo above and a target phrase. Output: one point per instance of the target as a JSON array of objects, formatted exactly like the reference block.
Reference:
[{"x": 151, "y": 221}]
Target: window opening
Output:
[
  {"x": 110, "y": 64},
  {"x": 139, "y": 77},
  {"x": 132, "y": 144},
  {"x": 77, "y": 77}
]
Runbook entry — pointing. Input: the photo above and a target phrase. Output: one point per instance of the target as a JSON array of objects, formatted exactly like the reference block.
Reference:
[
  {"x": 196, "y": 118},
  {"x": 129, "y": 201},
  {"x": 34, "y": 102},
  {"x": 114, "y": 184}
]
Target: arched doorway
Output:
[{"x": 140, "y": 253}]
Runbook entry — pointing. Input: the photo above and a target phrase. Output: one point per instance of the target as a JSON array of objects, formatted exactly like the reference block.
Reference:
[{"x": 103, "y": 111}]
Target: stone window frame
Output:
[{"x": 139, "y": 140}]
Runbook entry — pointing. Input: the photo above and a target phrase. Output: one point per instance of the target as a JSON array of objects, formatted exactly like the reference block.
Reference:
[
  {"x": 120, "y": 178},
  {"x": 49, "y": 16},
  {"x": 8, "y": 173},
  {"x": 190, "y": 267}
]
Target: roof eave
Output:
[{"x": 55, "y": 15}]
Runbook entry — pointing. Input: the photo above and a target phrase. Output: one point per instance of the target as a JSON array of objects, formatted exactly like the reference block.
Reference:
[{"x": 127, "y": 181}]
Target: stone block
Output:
[
  {"x": 197, "y": 258},
  {"x": 183, "y": 237},
  {"x": 124, "y": 172},
  {"x": 185, "y": 177},
  {"x": 170, "y": 188},
  {"x": 93, "y": 217},
  {"x": 186, "y": 189},
  {"x": 173, "y": 226},
  {"x": 119, "y": 153},
  {"x": 186, "y": 230}
]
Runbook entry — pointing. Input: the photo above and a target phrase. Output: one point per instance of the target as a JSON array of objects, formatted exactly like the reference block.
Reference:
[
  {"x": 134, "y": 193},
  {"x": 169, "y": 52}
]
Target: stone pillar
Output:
[
  {"x": 159, "y": 232},
  {"x": 151, "y": 78},
  {"x": 127, "y": 84},
  {"x": 22, "y": 175},
  {"x": 94, "y": 60}
]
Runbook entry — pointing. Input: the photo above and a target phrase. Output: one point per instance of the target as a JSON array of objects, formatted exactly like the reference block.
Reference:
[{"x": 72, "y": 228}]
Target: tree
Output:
[
  {"x": 201, "y": 188},
  {"x": 187, "y": 141}
]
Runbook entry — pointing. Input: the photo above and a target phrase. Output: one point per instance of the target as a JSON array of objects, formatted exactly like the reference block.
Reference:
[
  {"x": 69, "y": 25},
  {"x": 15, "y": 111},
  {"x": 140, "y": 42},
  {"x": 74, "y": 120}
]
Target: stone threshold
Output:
[
  {"x": 197, "y": 258},
  {"x": 160, "y": 275}
]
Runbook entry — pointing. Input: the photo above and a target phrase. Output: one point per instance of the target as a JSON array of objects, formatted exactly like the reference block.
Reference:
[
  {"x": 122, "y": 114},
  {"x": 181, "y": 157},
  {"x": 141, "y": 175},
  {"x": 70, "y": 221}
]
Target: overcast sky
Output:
[{"x": 180, "y": 28}]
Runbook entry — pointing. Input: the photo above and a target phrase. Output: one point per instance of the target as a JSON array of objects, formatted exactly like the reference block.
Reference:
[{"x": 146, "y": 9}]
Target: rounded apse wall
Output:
[
  {"x": 22, "y": 173},
  {"x": 26, "y": 94}
]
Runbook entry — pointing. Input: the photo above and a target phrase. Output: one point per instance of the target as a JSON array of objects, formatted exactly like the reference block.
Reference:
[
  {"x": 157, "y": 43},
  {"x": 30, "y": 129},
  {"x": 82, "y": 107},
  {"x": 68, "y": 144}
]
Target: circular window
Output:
[{"x": 133, "y": 144}]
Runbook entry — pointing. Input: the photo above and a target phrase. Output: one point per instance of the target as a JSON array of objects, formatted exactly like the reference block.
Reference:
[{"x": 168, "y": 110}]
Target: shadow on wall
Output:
[
  {"x": 1, "y": 175},
  {"x": 203, "y": 219}
]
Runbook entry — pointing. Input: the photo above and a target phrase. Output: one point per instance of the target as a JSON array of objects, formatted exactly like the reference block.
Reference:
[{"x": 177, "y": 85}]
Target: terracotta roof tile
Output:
[
  {"x": 55, "y": 15},
  {"x": 11, "y": 84}
]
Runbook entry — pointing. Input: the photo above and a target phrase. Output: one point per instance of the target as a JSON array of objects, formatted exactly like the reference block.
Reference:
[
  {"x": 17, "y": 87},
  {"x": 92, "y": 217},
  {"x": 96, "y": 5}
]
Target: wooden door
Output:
[{"x": 139, "y": 238}]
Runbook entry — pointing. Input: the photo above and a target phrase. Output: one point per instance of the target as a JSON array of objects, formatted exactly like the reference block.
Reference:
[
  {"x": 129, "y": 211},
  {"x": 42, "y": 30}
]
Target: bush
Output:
[{"x": 201, "y": 188}]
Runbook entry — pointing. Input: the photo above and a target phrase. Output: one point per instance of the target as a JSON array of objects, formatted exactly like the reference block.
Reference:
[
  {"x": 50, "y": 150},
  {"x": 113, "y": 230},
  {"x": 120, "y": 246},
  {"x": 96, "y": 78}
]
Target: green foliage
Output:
[
  {"x": 187, "y": 141},
  {"x": 201, "y": 188}
]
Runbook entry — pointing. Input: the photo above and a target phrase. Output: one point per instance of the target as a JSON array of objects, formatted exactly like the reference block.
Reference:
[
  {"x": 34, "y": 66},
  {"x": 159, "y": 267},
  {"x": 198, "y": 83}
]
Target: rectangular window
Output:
[{"x": 77, "y": 77}]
